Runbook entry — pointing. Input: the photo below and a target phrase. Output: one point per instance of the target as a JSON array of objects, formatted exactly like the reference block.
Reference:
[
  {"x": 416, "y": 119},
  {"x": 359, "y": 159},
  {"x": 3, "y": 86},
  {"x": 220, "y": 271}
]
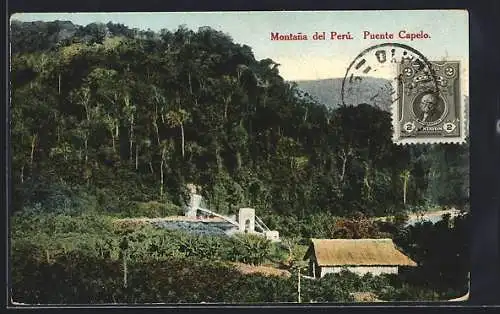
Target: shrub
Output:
[
  {"x": 250, "y": 249},
  {"x": 39, "y": 195},
  {"x": 331, "y": 288},
  {"x": 81, "y": 278}
]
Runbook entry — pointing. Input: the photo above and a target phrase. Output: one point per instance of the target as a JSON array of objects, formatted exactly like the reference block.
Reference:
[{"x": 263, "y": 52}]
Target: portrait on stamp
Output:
[{"x": 428, "y": 108}]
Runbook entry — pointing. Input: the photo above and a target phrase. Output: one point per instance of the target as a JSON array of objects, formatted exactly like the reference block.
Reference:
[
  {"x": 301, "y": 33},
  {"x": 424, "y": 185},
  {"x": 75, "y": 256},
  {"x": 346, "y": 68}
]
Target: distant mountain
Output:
[{"x": 329, "y": 92}]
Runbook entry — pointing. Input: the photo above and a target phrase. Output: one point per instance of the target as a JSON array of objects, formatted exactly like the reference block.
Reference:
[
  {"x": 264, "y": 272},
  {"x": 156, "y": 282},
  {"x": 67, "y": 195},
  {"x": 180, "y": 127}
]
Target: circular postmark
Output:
[
  {"x": 429, "y": 108},
  {"x": 375, "y": 74}
]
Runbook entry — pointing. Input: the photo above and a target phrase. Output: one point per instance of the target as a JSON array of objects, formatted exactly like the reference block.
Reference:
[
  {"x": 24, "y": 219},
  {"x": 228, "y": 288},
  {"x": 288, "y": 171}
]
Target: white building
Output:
[{"x": 360, "y": 256}]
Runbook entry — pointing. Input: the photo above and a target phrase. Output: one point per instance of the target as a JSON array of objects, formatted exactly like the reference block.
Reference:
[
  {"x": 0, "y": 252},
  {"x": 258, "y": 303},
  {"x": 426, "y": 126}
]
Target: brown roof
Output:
[{"x": 366, "y": 252}]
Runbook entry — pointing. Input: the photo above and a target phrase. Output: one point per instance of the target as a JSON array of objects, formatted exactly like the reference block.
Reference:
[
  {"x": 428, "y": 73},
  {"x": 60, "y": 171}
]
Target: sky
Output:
[{"x": 309, "y": 59}]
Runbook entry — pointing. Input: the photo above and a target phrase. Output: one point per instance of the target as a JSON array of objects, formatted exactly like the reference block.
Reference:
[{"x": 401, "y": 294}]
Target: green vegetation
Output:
[
  {"x": 90, "y": 259},
  {"x": 109, "y": 122},
  {"x": 133, "y": 116}
]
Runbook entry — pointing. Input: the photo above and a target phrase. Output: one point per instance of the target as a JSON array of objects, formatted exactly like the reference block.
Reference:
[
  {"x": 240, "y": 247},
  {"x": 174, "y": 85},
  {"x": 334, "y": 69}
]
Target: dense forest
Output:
[
  {"x": 108, "y": 121},
  {"x": 140, "y": 114}
]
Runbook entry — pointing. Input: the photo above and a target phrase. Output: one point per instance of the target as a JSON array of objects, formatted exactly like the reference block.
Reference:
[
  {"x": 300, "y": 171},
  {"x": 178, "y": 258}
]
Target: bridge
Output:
[{"x": 246, "y": 221}]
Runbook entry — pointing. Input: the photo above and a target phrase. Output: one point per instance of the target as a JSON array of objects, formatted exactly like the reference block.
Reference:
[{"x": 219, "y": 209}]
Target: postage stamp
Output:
[
  {"x": 429, "y": 109},
  {"x": 426, "y": 102}
]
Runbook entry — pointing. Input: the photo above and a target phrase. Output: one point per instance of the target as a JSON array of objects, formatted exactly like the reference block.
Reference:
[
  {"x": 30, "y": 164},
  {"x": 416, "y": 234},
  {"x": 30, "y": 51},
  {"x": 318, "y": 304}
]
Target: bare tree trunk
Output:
[
  {"x": 130, "y": 149},
  {"x": 157, "y": 132},
  {"x": 59, "y": 84},
  {"x": 155, "y": 124},
  {"x": 226, "y": 104},
  {"x": 344, "y": 162},
  {"x": 366, "y": 181},
  {"x": 344, "y": 165},
  {"x": 238, "y": 160},
  {"x": 131, "y": 139},
  {"x": 190, "y": 84},
  {"x": 298, "y": 287},
  {"x": 22, "y": 174},
  {"x": 218, "y": 158},
  {"x": 151, "y": 167},
  {"x": 86, "y": 149},
  {"x": 182, "y": 141},
  {"x": 113, "y": 139},
  {"x": 33, "y": 146},
  {"x": 136, "y": 157},
  {"x": 346, "y": 153},
  {"x": 161, "y": 177},
  {"x": 113, "y": 131},
  {"x": 405, "y": 184},
  {"x": 125, "y": 269}
]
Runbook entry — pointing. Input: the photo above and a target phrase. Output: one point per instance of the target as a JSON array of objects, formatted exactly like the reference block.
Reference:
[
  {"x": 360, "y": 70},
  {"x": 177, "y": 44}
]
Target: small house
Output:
[{"x": 360, "y": 256}]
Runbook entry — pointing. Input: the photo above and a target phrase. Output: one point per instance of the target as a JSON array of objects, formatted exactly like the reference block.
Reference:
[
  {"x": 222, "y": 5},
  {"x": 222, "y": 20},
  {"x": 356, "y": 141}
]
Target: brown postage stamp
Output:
[
  {"x": 426, "y": 96},
  {"x": 429, "y": 108}
]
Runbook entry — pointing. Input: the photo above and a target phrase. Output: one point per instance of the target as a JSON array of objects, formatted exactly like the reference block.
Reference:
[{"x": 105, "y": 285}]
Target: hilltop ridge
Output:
[{"x": 329, "y": 91}]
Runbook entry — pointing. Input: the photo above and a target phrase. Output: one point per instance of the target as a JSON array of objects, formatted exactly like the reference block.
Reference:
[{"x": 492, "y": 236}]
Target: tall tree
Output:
[{"x": 178, "y": 118}]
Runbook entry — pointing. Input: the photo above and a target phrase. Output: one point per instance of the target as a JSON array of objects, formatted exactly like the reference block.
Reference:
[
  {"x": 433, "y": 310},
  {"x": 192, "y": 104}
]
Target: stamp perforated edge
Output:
[
  {"x": 396, "y": 139},
  {"x": 463, "y": 118}
]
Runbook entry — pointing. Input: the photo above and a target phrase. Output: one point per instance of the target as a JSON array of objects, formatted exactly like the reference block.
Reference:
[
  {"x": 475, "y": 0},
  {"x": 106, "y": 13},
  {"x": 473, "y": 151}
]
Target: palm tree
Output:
[
  {"x": 177, "y": 118},
  {"x": 165, "y": 148},
  {"x": 405, "y": 176}
]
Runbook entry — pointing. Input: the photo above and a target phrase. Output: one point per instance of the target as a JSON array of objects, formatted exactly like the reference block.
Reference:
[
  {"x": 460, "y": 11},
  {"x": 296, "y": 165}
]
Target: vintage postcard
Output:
[{"x": 239, "y": 157}]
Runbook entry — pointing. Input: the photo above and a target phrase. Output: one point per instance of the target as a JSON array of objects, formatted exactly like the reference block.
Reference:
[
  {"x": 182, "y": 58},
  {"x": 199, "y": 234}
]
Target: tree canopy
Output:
[{"x": 102, "y": 104}]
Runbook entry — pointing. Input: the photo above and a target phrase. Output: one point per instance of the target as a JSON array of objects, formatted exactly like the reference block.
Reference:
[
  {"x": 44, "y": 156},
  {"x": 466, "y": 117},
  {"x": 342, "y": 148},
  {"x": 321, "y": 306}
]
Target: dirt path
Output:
[
  {"x": 424, "y": 215},
  {"x": 453, "y": 212}
]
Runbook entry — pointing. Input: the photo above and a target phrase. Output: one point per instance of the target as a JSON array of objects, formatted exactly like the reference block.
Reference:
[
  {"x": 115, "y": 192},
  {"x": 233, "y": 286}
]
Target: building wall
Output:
[
  {"x": 193, "y": 205},
  {"x": 314, "y": 270},
  {"x": 246, "y": 219},
  {"x": 361, "y": 270},
  {"x": 272, "y": 235}
]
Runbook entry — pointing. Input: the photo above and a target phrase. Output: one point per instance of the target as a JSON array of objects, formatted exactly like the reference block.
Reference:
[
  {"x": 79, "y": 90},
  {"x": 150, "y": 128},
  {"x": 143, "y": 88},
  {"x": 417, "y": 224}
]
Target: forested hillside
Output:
[
  {"x": 109, "y": 122},
  {"x": 133, "y": 115}
]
